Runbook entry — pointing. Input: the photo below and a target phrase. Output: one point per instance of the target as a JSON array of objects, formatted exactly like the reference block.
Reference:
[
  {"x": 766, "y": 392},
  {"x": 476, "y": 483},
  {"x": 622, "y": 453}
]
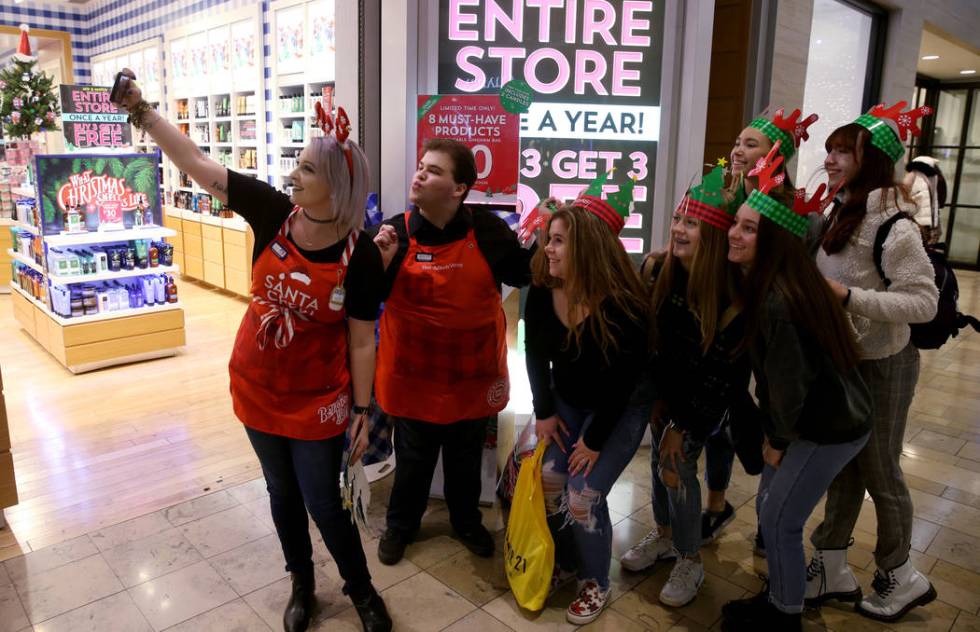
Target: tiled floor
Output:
[{"x": 213, "y": 563}]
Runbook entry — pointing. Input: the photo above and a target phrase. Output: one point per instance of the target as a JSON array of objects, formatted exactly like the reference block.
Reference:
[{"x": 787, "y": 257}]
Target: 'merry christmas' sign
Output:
[{"x": 91, "y": 120}]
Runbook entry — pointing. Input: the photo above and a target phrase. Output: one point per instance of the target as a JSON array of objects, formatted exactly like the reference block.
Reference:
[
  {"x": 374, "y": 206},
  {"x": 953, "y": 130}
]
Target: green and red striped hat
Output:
[{"x": 614, "y": 209}]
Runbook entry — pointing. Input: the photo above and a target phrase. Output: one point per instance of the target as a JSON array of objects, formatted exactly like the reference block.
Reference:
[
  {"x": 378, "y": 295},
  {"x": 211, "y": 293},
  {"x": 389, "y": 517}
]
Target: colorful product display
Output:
[
  {"x": 142, "y": 254},
  {"x": 73, "y": 301}
]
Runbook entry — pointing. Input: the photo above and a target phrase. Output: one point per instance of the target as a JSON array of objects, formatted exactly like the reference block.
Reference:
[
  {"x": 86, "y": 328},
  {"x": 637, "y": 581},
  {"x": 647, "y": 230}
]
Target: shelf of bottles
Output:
[
  {"x": 303, "y": 57},
  {"x": 74, "y": 256},
  {"x": 215, "y": 97}
]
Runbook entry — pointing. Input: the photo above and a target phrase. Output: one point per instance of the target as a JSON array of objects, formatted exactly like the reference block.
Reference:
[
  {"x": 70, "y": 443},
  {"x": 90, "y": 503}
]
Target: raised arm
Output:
[{"x": 180, "y": 149}]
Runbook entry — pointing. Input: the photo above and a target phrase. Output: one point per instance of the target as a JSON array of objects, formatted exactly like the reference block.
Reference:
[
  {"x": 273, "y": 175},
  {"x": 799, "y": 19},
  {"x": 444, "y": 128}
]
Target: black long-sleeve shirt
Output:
[
  {"x": 697, "y": 386},
  {"x": 509, "y": 262},
  {"x": 580, "y": 374}
]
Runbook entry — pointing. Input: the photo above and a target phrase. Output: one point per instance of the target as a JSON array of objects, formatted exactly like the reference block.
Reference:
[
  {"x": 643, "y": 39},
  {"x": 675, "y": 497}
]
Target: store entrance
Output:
[{"x": 947, "y": 81}]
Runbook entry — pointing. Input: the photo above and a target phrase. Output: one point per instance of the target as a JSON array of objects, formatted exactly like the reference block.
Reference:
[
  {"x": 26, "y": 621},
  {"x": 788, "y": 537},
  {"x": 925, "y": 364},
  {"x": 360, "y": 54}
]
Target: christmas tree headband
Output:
[
  {"x": 792, "y": 219},
  {"x": 788, "y": 132},
  {"x": 614, "y": 209},
  {"x": 341, "y": 131},
  {"x": 880, "y": 120},
  {"x": 706, "y": 201}
]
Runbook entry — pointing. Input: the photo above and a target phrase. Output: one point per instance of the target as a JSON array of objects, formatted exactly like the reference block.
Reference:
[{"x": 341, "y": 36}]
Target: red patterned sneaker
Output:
[{"x": 588, "y": 605}]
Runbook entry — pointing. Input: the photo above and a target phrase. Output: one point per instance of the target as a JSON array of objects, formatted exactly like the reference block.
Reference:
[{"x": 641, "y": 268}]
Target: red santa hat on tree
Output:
[{"x": 24, "y": 47}]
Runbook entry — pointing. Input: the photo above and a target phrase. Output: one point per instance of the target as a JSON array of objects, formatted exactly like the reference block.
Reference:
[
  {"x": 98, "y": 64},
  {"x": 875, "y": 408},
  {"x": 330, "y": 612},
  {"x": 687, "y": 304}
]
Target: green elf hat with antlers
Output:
[
  {"x": 890, "y": 127},
  {"x": 795, "y": 219},
  {"x": 788, "y": 132}
]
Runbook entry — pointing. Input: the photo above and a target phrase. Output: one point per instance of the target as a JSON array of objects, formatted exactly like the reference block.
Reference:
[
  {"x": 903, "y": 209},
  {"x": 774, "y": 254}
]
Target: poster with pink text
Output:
[{"x": 594, "y": 67}]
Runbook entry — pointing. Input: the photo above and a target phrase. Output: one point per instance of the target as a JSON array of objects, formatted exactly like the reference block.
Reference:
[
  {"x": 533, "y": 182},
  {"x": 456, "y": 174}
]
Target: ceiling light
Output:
[
  {"x": 930, "y": 57},
  {"x": 968, "y": 72}
]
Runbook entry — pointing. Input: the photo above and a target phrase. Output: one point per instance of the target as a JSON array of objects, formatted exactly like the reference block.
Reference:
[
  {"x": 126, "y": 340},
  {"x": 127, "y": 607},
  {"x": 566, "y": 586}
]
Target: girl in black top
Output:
[
  {"x": 586, "y": 346},
  {"x": 699, "y": 371}
]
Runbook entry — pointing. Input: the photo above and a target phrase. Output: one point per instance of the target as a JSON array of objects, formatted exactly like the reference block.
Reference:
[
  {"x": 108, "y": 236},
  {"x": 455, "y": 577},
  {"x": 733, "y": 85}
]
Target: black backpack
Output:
[{"x": 948, "y": 320}]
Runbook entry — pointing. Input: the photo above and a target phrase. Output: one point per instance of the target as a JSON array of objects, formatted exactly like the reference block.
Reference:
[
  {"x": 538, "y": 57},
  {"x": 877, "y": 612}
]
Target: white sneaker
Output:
[
  {"x": 648, "y": 551},
  {"x": 684, "y": 582},
  {"x": 829, "y": 577},
  {"x": 896, "y": 592}
]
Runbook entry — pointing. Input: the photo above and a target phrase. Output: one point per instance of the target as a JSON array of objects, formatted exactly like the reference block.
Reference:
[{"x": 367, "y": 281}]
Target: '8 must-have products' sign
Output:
[
  {"x": 481, "y": 123},
  {"x": 90, "y": 120},
  {"x": 594, "y": 66}
]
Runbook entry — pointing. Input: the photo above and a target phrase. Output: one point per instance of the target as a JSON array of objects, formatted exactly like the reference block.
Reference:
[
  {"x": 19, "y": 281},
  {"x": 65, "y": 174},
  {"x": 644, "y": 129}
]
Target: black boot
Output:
[
  {"x": 373, "y": 614},
  {"x": 299, "y": 610},
  {"x": 755, "y": 614}
]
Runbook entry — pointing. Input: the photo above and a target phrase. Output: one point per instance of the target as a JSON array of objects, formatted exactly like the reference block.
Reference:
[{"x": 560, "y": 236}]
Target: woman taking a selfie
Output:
[{"x": 303, "y": 360}]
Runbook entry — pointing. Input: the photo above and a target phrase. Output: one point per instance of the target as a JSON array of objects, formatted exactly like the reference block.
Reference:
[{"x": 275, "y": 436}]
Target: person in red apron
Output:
[
  {"x": 304, "y": 355},
  {"x": 442, "y": 355}
]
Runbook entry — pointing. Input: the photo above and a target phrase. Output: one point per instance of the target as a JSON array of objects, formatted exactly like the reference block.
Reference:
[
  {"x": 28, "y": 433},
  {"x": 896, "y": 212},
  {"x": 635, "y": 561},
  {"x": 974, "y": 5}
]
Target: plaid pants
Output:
[{"x": 876, "y": 468}]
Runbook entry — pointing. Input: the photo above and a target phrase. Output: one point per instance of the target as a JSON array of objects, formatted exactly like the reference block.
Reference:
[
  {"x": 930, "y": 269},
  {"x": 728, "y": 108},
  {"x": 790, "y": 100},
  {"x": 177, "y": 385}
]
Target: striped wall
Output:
[
  {"x": 55, "y": 17},
  {"x": 103, "y": 26}
]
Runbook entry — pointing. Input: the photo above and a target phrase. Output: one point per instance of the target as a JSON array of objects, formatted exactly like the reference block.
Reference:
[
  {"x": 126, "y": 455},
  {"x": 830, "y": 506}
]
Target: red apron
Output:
[
  {"x": 289, "y": 371},
  {"x": 442, "y": 352}
]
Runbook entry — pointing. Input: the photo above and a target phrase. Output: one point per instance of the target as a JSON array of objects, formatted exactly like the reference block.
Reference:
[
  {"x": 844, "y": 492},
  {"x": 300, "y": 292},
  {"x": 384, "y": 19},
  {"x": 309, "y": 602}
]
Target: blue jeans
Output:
[
  {"x": 577, "y": 511},
  {"x": 679, "y": 507},
  {"x": 719, "y": 455},
  {"x": 305, "y": 476},
  {"x": 787, "y": 496}
]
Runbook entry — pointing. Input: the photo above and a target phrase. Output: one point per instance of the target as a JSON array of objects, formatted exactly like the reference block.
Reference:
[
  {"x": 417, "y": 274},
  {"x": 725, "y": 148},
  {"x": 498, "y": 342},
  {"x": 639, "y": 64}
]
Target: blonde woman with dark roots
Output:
[
  {"x": 302, "y": 365},
  {"x": 586, "y": 348}
]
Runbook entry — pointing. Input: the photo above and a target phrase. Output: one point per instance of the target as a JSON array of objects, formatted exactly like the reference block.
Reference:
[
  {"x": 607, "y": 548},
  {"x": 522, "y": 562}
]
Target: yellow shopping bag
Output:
[{"x": 529, "y": 554}]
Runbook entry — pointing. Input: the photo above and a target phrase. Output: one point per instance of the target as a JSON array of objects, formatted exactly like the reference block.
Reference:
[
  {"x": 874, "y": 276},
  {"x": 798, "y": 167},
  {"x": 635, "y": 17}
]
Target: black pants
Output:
[
  {"x": 305, "y": 476},
  {"x": 417, "y": 445}
]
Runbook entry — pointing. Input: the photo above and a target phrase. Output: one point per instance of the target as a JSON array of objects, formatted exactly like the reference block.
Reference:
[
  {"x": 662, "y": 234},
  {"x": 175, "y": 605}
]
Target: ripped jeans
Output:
[
  {"x": 679, "y": 507},
  {"x": 577, "y": 512}
]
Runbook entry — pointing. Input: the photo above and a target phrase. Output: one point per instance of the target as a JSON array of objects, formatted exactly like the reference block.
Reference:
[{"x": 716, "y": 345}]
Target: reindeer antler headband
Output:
[
  {"x": 760, "y": 201},
  {"x": 341, "y": 131},
  {"x": 789, "y": 132},
  {"x": 883, "y": 135}
]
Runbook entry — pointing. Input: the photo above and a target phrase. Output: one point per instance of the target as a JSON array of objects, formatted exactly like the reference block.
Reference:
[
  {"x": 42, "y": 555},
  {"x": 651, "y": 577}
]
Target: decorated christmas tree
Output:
[{"x": 27, "y": 103}]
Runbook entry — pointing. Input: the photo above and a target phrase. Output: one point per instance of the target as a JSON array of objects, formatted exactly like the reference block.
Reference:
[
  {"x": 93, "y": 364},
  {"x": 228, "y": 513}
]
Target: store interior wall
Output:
[{"x": 727, "y": 86}]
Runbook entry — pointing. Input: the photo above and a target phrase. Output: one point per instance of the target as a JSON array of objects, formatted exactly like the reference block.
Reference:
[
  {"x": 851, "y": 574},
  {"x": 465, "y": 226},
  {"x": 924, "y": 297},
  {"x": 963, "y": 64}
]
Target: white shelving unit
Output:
[
  {"x": 299, "y": 76},
  {"x": 109, "y": 236},
  {"x": 216, "y": 94},
  {"x": 109, "y": 276},
  {"x": 85, "y": 342}
]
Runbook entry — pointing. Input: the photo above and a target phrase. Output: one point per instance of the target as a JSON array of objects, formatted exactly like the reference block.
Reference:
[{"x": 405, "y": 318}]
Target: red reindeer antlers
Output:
[
  {"x": 793, "y": 126},
  {"x": 817, "y": 203},
  {"x": 906, "y": 121},
  {"x": 323, "y": 120},
  {"x": 326, "y": 122},
  {"x": 766, "y": 167}
]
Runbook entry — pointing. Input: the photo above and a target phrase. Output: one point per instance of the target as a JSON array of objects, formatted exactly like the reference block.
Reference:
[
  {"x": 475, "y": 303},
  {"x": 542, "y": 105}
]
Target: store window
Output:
[
  {"x": 954, "y": 134},
  {"x": 841, "y": 73}
]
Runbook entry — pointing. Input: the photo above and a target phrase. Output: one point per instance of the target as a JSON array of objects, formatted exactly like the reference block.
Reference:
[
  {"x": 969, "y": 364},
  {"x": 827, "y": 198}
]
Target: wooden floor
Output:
[
  {"x": 94, "y": 449},
  {"x": 97, "y": 449}
]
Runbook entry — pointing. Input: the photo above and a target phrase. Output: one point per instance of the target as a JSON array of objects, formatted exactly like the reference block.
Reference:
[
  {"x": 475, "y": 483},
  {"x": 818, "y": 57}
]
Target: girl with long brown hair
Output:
[
  {"x": 586, "y": 333},
  {"x": 882, "y": 302},
  {"x": 699, "y": 371},
  {"x": 751, "y": 144},
  {"x": 817, "y": 406}
]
